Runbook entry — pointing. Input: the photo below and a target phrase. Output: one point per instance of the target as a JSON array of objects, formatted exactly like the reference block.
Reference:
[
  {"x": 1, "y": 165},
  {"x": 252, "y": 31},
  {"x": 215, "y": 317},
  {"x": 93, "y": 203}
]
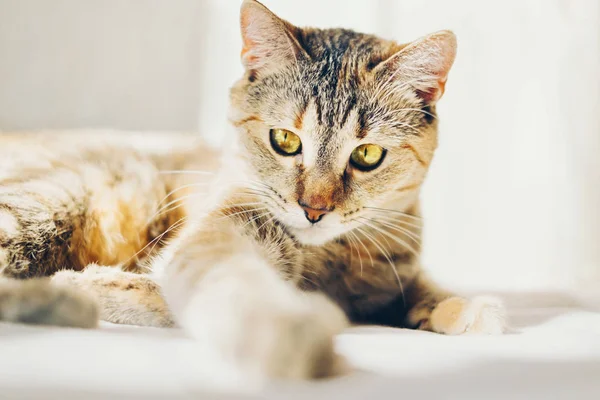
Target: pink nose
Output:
[{"x": 313, "y": 215}]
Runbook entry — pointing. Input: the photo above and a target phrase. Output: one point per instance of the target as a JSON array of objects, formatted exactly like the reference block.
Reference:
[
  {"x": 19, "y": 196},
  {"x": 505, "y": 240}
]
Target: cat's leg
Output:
[
  {"x": 39, "y": 302},
  {"x": 434, "y": 309},
  {"x": 122, "y": 297},
  {"x": 225, "y": 291}
]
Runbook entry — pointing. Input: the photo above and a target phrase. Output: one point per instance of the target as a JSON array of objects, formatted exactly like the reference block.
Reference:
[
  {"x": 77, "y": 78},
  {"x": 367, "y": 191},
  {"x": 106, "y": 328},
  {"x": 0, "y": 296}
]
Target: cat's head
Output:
[{"x": 335, "y": 123}]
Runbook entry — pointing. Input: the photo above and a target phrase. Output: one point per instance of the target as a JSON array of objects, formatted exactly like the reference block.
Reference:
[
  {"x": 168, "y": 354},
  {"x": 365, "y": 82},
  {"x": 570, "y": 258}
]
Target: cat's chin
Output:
[{"x": 313, "y": 236}]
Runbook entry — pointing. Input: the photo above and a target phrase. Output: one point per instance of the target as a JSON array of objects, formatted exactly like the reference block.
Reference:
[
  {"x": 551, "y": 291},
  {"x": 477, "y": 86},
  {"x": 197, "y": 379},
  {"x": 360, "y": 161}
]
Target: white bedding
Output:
[{"x": 553, "y": 352}]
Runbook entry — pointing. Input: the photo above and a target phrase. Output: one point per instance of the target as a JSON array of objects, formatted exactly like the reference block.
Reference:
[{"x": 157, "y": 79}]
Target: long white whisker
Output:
[
  {"x": 393, "y": 237},
  {"x": 395, "y": 218},
  {"x": 352, "y": 242},
  {"x": 181, "y": 188},
  {"x": 242, "y": 212},
  {"x": 366, "y": 249},
  {"x": 416, "y": 217},
  {"x": 416, "y": 238},
  {"x": 173, "y": 226},
  {"x": 378, "y": 245},
  {"x": 255, "y": 218},
  {"x": 266, "y": 222},
  {"x": 177, "y": 224},
  {"x": 166, "y": 206}
]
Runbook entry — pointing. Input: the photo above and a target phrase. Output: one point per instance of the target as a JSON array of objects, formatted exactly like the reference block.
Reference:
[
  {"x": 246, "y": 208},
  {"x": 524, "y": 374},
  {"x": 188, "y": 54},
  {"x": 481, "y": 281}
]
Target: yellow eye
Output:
[
  {"x": 367, "y": 156},
  {"x": 285, "y": 142}
]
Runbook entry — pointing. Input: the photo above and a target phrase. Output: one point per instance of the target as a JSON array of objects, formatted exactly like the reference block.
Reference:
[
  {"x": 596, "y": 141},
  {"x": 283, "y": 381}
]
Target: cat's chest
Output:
[{"x": 355, "y": 273}]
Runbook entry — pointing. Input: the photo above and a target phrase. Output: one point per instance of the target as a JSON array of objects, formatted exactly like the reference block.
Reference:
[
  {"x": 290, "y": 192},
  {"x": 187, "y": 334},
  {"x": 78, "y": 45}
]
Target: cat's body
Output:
[{"x": 318, "y": 196}]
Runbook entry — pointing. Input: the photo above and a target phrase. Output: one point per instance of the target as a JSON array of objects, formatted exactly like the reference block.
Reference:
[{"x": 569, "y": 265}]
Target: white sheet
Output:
[{"x": 552, "y": 353}]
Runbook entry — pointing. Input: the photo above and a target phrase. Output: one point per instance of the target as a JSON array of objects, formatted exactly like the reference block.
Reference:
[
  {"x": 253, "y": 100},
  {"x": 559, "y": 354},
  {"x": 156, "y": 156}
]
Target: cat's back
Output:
[
  {"x": 105, "y": 193},
  {"x": 43, "y": 150}
]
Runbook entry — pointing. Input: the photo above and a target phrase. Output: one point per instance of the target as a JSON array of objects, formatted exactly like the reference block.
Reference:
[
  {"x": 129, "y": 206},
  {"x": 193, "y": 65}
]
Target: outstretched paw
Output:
[
  {"x": 303, "y": 345},
  {"x": 268, "y": 341},
  {"x": 479, "y": 315}
]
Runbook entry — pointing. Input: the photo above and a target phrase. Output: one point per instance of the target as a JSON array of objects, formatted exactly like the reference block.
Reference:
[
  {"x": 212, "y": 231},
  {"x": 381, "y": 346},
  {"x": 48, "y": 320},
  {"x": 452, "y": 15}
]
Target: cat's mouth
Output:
[
  {"x": 306, "y": 228},
  {"x": 313, "y": 233}
]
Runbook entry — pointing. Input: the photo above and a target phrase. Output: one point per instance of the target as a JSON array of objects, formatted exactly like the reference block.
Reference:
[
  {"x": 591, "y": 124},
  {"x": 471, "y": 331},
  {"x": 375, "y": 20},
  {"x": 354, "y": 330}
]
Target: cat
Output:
[{"x": 307, "y": 222}]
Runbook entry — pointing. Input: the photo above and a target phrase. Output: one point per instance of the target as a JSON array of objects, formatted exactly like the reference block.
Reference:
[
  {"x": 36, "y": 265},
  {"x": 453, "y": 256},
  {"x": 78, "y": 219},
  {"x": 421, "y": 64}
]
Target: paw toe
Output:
[
  {"x": 486, "y": 315},
  {"x": 480, "y": 315}
]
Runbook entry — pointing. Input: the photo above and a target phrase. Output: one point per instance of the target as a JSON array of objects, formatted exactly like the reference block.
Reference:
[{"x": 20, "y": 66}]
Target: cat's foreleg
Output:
[
  {"x": 122, "y": 297},
  {"x": 224, "y": 292}
]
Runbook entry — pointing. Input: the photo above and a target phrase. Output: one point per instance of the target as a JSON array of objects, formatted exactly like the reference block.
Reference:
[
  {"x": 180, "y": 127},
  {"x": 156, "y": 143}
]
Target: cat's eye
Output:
[
  {"x": 367, "y": 157},
  {"x": 285, "y": 142}
]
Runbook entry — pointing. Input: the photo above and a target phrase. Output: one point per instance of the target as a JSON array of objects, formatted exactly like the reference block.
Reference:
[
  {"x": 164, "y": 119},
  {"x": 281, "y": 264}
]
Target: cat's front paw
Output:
[
  {"x": 297, "y": 345},
  {"x": 479, "y": 315},
  {"x": 268, "y": 341}
]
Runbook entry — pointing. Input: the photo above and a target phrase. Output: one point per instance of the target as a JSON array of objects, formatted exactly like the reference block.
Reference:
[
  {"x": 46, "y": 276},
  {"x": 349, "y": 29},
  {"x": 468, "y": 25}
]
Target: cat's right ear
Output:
[{"x": 268, "y": 41}]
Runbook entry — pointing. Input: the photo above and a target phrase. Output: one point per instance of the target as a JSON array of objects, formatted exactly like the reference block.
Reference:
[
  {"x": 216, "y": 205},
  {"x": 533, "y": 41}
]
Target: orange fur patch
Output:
[
  {"x": 246, "y": 120},
  {"x": 417, "y": 156},
  {"x": 109, "y": 236}
]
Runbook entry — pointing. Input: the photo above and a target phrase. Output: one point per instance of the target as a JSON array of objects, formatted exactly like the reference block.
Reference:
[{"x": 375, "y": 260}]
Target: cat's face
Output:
[{"x": 335, "y": 123}]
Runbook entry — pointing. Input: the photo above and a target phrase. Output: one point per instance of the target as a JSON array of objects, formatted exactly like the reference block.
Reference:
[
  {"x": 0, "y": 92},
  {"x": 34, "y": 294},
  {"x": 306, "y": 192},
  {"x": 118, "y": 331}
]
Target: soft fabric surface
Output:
[{"x": 552, "y": 352}]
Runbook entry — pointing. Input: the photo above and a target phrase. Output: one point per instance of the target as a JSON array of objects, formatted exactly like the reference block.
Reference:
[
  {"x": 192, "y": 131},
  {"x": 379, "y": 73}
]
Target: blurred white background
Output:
[{"x": 513, "y": 198}]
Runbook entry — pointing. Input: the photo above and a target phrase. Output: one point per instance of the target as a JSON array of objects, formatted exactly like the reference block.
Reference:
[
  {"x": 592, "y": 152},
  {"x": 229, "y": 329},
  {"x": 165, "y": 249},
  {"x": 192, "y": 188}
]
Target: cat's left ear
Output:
[
  {"x": 269, "y": 42},
  {"x": 423, "y": 65}
]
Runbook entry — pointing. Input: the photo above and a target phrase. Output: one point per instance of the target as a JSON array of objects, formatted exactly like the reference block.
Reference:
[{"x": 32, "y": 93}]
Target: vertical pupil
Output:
[
  {"x": 365, "y": 156},
  {"x": 285, "y": 137}
]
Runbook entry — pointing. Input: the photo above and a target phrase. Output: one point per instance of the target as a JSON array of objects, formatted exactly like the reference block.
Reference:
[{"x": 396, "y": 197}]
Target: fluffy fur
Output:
[{"x": 224, "y": 249}]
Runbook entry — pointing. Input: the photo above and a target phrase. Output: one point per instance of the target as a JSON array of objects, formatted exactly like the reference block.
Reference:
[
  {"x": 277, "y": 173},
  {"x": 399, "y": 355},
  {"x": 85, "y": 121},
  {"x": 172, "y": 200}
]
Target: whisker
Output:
[
  {"x": 242, "y": 212},
  {"x": 178, "y": 222},
  {"x": 166, "y": 206},
  {"x": 395, "y": 218},
  {"x": 364, "y": 247},
  {"x": 266, "y": 222},
  {"x": 181, "y": 188},
  {"x": 393, "y": 237},
  {"x": 415, "y": 217},
  {"x": 385, "y": 254},
  {"x": 352, "y": 242},
  {"x": 194, "y": 172},
  {"x": 255, "y": 218},
  {"x": 376, "y": 242},
  {"x": 412, "y": 235},
  {"x": 389, "y": 246},
  {"x": 166, "y": 209},
  {"x": 349, "y": 240},
  {"x": 236, "y": 205}
]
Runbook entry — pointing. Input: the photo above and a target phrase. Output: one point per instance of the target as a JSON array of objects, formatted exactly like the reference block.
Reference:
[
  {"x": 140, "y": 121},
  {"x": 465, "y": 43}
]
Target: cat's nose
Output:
[{"x": 313, "y": 215}]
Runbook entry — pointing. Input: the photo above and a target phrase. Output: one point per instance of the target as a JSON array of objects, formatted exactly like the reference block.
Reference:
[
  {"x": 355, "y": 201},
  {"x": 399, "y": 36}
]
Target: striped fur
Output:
[{"x": 226, "y": 252}]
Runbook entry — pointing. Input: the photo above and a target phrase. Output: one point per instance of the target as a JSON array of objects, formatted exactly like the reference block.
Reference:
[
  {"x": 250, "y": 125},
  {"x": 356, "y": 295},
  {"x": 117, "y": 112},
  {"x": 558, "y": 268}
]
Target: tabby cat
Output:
[{"x": 309, "y": 221}]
